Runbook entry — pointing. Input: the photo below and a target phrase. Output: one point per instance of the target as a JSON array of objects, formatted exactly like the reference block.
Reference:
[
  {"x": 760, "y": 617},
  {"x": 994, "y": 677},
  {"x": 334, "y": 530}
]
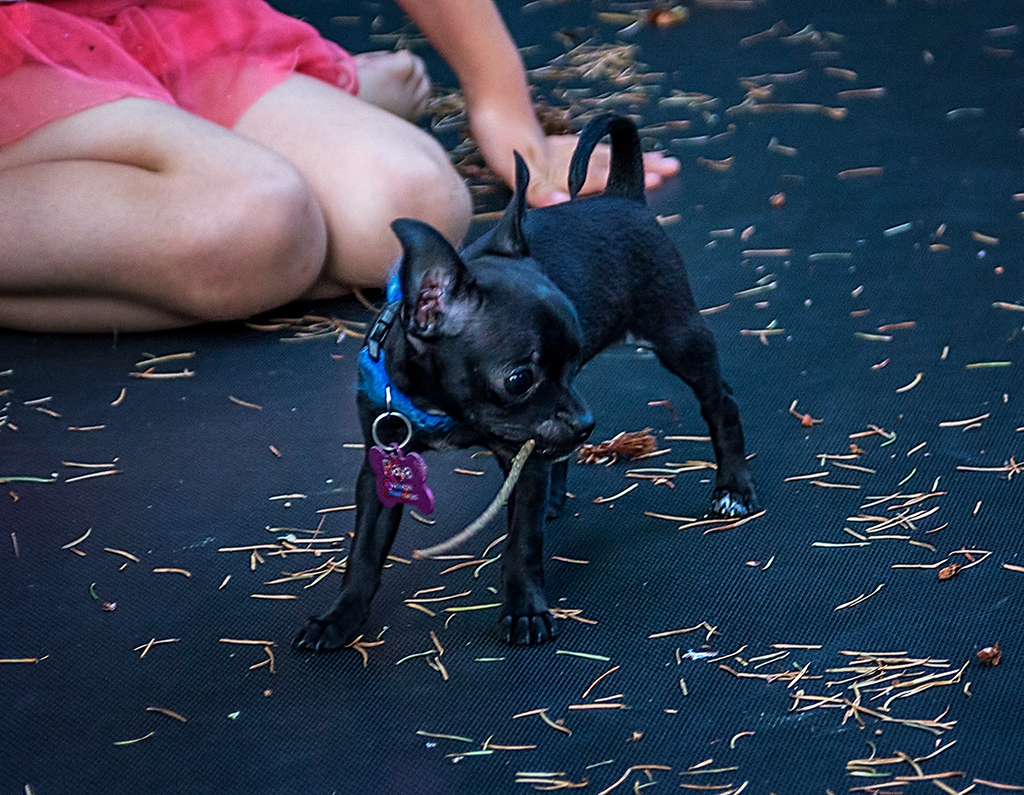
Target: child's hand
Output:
[
  {"x": 548, "y": 157},
  {"x": 552, "y": 189}
]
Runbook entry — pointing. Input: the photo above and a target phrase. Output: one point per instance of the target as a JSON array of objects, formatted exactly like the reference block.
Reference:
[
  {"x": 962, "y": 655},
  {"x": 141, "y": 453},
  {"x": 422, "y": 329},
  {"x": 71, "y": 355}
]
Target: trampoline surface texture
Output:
[{"x": 868, "y": 319}]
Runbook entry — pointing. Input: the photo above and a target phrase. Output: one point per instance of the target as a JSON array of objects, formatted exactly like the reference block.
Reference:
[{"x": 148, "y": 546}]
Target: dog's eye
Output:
[{"x": 519, "y": 381}]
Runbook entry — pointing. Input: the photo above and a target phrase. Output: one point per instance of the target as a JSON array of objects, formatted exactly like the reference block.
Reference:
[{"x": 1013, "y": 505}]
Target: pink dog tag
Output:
[{"x": 401, "y": 478}]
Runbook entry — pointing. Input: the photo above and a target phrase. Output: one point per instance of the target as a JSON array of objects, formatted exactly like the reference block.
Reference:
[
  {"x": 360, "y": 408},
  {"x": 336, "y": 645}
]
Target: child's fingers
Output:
[
  {"x": 545, "y": 195},
  {"x": 548, "y": 180}
]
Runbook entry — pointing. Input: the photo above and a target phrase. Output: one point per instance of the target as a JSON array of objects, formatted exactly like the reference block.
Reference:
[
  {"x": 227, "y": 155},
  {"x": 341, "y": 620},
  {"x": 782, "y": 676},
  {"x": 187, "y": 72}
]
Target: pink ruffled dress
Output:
[{"x": 212, "y": 58}]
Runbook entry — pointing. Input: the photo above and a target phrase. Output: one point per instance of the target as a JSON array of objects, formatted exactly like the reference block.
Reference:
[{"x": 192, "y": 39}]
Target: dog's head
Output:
[{"x": 491, "y": 340}]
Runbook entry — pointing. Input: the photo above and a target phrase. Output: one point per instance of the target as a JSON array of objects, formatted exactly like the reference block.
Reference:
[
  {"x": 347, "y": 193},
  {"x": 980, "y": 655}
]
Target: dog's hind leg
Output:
[{"x": 688, "y": 350}]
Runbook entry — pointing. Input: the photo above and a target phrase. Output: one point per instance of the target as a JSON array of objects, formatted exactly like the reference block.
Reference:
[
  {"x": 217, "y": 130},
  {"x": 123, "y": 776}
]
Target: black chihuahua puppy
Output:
[{"x": 481, "y": 349}]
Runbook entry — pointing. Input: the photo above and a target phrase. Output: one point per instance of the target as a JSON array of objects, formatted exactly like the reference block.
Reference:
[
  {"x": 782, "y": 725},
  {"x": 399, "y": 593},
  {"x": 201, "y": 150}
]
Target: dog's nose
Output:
[
  {"x": 583, "y": 427},
  {"x": 564, "y": 432},
  {"x": 580, "y": 425}
]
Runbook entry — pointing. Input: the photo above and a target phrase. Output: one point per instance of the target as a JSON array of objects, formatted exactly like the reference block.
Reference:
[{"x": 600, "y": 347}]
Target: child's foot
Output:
[{"x": 394, "y": 81}]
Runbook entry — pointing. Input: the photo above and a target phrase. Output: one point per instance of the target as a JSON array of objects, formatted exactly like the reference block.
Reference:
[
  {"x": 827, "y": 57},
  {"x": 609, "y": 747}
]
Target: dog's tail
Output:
[{"x": 626, "y": 177}]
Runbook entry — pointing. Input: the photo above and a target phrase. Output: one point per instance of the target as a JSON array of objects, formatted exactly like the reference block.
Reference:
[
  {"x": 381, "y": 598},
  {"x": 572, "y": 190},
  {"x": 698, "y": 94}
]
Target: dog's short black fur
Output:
[{"x": 494, "y": 337}]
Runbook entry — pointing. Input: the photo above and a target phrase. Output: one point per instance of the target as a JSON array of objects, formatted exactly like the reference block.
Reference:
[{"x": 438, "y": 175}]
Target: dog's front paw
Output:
[
  {"x": 527, "y": 629},
  {"x": 324, "y": 634},
  {"x": 729, "y": 504}
]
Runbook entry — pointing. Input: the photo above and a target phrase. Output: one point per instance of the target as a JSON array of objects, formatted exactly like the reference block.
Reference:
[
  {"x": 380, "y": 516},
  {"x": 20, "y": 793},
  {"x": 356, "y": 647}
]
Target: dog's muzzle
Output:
[{"x": 559, "y": 437}]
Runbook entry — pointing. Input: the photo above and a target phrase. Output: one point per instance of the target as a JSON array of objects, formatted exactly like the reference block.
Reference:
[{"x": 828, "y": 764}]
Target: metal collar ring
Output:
[{"x": 385, "y": 415}]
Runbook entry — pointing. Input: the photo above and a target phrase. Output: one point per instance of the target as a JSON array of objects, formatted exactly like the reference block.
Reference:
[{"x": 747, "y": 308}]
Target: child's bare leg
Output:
[
  {"x": 136, "y": 215},
  {"x": 394, "y": 81},
  {"x": 366, "y": 167}
]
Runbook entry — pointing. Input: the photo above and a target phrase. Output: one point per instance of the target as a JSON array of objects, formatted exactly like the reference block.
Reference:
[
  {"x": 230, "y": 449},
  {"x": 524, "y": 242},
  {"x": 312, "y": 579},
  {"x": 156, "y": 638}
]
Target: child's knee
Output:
[
  {"x": 259, "y": 242},
  {"x": 438, "y": 193},
  {"x": 414, "y": 181}
]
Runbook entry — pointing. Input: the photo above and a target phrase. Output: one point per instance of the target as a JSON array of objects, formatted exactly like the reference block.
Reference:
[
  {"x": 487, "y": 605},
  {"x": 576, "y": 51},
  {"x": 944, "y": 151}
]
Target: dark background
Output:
[{"x": 196, "y": 474}]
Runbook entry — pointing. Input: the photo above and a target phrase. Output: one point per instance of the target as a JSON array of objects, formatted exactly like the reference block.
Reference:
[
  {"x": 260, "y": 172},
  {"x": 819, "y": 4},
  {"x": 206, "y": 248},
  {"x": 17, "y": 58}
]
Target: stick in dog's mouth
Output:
[{"x": 492, "y": 510}]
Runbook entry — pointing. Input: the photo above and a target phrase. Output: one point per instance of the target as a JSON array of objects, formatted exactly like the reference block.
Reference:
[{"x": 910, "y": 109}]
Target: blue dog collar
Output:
[
  {"x": 394, "y": 286},
  {"x": 374, "y": 381}
]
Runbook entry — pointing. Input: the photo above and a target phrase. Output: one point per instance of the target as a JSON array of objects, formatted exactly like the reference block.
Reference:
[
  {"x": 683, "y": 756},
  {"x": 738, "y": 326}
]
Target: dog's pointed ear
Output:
[
  {"x": 507, "y": 239},
  {"x": 433, "y": 276}
]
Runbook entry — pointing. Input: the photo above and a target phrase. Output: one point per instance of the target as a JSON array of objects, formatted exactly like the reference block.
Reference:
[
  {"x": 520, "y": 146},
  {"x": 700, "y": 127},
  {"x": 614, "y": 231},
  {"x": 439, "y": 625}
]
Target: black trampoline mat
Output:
[{"x": 886, "y": 306}]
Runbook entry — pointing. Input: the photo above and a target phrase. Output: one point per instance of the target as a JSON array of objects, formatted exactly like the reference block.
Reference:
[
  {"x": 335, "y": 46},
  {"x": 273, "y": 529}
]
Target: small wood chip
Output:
[
  {"x": 950, "y": 571},
  {"x": 631, "y": 444},
  {"x": 990, "y": 655}
]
